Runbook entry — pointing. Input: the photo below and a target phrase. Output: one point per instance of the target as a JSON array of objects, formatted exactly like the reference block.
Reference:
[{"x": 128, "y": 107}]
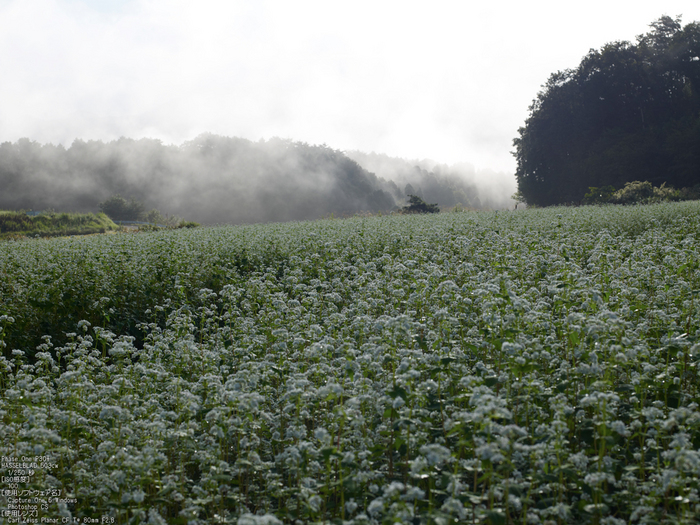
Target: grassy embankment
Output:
[{"x": 17, "y": 224}]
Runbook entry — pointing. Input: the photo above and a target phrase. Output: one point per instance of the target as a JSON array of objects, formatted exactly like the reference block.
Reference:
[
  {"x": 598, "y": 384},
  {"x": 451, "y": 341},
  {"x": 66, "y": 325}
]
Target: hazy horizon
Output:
[
  {"x": 450, "y": 81},
  {"x": 217, "y": 179}
]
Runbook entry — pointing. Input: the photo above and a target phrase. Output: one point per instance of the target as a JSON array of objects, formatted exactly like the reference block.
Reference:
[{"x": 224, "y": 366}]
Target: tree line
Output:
[
  {"x": 211, "y": 179},
  {"x": 629, "y": 112}
]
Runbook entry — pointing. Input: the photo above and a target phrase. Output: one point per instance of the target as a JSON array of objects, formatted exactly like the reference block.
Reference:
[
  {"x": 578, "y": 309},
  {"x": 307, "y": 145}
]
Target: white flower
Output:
[
  {"x": 620, "y": 428},
  {"x": 315, "y": 502},
  {"x": 398, "y": 402},
  {"x": 376, "y": 506},
  {"x": 435, "y": 454},
  {"x": 154, "y": 518},
  {"x": 454, "y": 507},
  {"x": 322, "y": 435},
  {"x": 252, "y": 519},
  {"x": 393, "y": 489}
]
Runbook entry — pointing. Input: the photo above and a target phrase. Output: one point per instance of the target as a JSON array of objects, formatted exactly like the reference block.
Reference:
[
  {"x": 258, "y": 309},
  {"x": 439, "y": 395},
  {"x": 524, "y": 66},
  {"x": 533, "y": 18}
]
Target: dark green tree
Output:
[
  {"x": 627, "y": 112},
  {"x": 418, "y": 205}
]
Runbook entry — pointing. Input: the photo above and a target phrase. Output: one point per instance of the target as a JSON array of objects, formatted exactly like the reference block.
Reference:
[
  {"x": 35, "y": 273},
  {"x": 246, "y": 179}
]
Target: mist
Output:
[
  {"x": 431, "y": 180},
  {"x": 450, "y": 81},
  {"x": 214, "y": 179}
]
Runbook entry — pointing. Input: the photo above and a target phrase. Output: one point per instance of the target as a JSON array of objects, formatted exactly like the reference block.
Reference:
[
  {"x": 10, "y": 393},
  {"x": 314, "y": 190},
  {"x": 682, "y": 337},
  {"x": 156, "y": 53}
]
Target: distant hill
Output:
[
  {"x": 215, "y": 179},
  {"x": 435, "y": 182}
]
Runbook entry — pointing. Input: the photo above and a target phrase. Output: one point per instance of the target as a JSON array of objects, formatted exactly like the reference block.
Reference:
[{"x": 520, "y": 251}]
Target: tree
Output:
[
  {"x": 119, "y": 209},
  {"x": 627, "y": 112},
  {"x": 418, "y": 205}
]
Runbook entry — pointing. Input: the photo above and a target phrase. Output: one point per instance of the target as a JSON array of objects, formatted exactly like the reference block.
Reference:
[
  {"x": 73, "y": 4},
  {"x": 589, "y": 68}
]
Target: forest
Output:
[
  {"x": 629, "y": 112},
  {"x": 215, "y": 179}
]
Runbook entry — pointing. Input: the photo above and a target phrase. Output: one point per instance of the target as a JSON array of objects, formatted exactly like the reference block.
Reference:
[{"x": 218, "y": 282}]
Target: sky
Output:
[{"x": 445, "y": 80}]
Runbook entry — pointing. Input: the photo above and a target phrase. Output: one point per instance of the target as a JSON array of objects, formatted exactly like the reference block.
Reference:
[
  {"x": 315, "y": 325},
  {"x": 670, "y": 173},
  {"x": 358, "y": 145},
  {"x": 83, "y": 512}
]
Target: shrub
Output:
[
  {"x": 418, "y": 205},
  {"x": 644, "y": 193},
  {"x": 156, "y": 218},
  {"x": 666, "y": 193},
  {"x": 634, "y": 192},
  {"x": 638, "y": 192},
  {"x": 51, "y": 224},
  {"x": 690, "y": 194},
  {"x": 14, "y": 222},
  {"x": 119, "y": 209},
  {"x": 599, "y": 195}
]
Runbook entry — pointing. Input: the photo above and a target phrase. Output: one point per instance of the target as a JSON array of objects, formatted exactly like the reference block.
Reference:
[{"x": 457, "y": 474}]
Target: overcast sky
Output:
[{"x": 447, "y": 80}]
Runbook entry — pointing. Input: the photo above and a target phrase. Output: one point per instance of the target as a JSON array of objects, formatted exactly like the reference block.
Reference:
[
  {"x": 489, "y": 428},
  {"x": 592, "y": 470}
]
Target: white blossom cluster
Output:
[{"x": 538, "y": 366}]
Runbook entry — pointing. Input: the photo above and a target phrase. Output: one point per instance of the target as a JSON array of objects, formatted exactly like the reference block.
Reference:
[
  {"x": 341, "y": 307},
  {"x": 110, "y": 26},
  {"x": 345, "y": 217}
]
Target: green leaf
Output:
[
  {"x": 574, "y": 338},
  {"x": 495, "y": 517},
  {"x": 398, "y": 391},
  {"x": 490, "y": 381}
]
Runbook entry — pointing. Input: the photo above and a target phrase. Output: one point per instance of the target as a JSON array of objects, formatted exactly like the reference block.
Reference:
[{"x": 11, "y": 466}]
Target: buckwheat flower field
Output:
[{"x": 538, "y": 366}]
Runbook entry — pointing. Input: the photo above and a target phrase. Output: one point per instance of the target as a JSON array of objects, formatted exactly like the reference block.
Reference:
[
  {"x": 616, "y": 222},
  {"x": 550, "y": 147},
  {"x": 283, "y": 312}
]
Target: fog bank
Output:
[{"x": 215, "y": 179}]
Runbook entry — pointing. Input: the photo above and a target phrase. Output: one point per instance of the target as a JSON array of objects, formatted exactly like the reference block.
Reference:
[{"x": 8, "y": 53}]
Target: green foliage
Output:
[
  {"x": 627, "y": 112},
  {"x": 51, "y": 224},
  {"x": 634, "y": 192},
  {"x": 11, "y": 222},
  {"x": 518, "y": 197},
  {"x": 156, "y": 218},
  {"x": 599, "y": 195},
  {"x": 637, "y": 192},
  {"x": 690, "y": 194},
  {"x": 665, "y": 193},
  {"x": 418, "y": 205},
  {"x": 118, "y": 208}
]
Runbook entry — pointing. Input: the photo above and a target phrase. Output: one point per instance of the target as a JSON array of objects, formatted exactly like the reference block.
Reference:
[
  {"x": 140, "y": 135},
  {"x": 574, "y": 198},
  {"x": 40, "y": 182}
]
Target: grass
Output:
[
  {"x": 538, "y": 366},
  {"x": 15, "y": 225}
]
